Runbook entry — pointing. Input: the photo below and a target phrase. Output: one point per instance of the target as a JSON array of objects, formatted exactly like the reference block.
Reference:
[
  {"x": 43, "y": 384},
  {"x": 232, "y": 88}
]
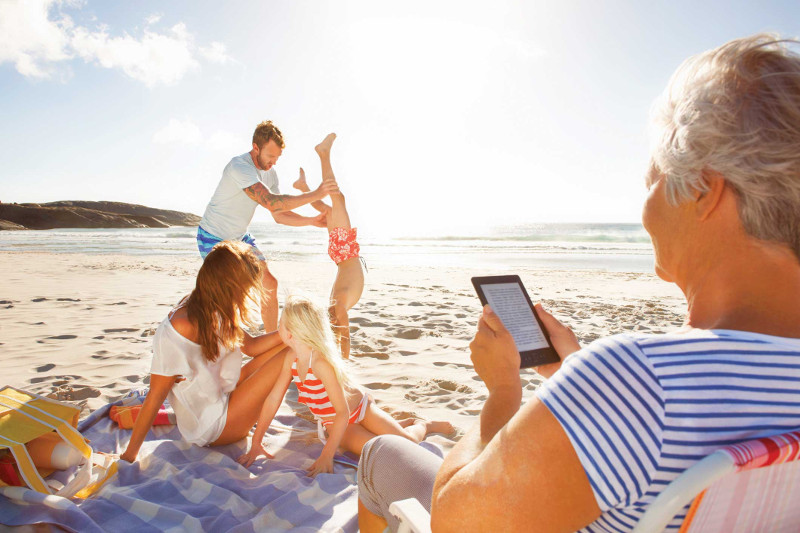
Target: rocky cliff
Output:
[{"x": 76, "y": 214}]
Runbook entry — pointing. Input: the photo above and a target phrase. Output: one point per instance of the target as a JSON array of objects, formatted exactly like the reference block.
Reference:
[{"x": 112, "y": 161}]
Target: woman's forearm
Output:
[{"x": 260, "y": 344}]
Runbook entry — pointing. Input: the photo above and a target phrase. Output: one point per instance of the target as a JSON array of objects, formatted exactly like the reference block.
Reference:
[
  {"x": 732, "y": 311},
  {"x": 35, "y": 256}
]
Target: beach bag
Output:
[{"x": 24, "y": 417}]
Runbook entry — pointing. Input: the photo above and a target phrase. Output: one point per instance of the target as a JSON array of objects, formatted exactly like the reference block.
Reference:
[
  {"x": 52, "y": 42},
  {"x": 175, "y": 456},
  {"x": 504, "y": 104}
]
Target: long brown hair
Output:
[{"x": 229, "y": 279}]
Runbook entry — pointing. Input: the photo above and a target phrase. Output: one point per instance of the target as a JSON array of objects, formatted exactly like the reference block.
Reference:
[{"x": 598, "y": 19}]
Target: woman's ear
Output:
[{"x": 708, "y": 201}]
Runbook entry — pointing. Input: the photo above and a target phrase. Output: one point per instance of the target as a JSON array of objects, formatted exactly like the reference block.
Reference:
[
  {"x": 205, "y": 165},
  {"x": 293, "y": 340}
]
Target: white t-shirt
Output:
[
  {"x": 230, "y": 210},
  {"x": 641, "y": 409},
  {"x": 200, "y": 401}
]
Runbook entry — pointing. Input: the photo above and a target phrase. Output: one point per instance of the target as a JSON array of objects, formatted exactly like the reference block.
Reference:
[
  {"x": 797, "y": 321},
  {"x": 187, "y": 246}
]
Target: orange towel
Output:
[{"x": 125, "y": 415}]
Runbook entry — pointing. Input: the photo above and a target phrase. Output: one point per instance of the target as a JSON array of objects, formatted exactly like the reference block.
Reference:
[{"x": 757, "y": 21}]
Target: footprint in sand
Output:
[
  {"x": 57, "y": 338},
  {"x": 4, "y": 302},
  {"x": 74, "y": 393},
  {"x": 409, "y": 334},
  {"x": 452, "y": 365},
  {"x": 378, "y": 386},
  {"x": 68, "y": 299},
  {"x": 119, "y": 303},
  {"x": 406, "y": 352},
  {"x": 372, "y": 355},
  {"x": 58, "y": 380},
  {"x": 39, "y": 300},
  {"x": 366, "y": 322},
  {"x": 120, "y": 330},
  {"x": 101, "y": 354},
  {"x": 415, "y": 304},
  {"x": 45, "y": 368}
]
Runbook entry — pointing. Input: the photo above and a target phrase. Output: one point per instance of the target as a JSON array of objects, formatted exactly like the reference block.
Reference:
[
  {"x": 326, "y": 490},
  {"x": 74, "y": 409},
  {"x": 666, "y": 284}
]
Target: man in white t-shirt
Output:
[{"x": 248, "y": 181}]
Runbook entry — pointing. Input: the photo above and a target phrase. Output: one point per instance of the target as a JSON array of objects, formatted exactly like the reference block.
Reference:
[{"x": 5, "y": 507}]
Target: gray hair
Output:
[{"x": 736, "y": 110}]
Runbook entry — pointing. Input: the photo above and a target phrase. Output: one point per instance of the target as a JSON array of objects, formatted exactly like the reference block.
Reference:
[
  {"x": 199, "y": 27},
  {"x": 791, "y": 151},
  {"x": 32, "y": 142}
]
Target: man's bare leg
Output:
[{"x": 269, "y": 304}]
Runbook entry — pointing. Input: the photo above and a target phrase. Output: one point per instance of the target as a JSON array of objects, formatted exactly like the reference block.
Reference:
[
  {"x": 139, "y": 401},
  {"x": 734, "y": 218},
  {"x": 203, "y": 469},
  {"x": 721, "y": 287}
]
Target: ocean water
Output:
[{"x": 604, "y": 247}]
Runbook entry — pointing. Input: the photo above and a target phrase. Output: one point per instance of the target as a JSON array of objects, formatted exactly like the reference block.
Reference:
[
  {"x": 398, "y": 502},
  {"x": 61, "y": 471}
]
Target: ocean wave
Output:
[{"x": 642, "y": 239}]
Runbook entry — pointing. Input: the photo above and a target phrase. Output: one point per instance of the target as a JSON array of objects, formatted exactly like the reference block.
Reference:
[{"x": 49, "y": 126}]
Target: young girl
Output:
[
  {"x": 197, "y": 355},
  {"x": 342, "y": 248},
  {"x": 346, "y": 415}
]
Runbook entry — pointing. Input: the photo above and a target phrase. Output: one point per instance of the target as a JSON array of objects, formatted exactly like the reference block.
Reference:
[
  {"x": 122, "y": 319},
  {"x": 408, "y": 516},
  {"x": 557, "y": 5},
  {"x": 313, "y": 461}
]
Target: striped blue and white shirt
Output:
[{"x": 641, "y": 409}]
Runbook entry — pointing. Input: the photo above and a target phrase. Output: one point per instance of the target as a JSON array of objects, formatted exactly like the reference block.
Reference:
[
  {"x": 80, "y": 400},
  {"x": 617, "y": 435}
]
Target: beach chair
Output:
[
  {"x": 747, "y": 487},
  {"x": 414, "y": 518}
]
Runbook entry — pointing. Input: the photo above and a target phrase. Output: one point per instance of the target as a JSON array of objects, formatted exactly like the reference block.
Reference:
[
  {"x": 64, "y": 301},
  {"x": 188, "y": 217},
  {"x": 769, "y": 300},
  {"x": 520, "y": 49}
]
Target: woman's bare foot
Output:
[
  {"x": 301, "y": 184},
  {"x": 325, "y": 146}
]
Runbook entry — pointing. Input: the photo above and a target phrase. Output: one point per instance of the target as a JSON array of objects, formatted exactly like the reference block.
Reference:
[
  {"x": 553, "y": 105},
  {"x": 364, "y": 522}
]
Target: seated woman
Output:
[
  {"x": 197, "y": 355},
  {"x": 626, "y": 415},
  {"x": 342, "y": 248}
]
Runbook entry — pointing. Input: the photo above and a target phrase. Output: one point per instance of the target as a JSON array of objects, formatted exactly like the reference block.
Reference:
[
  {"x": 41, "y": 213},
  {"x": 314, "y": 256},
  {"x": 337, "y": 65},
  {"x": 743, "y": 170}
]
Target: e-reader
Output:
[{"x": 510, "y": 301}]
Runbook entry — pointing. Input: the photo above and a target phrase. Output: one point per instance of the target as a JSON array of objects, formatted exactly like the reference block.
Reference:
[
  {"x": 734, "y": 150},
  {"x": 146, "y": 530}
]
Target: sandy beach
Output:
[{"x": 79, "y": 326}]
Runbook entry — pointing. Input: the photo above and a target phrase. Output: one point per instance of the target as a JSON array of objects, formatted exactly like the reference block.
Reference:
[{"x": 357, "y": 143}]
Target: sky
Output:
[{"x": 450, "y": 115}]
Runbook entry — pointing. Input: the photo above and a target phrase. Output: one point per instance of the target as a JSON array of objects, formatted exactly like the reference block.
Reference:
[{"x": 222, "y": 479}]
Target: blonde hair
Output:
[
  {"x": 228, "y": 281},
  {"x": 736, "y": 110},
  {"x": 309, "y": 324}
]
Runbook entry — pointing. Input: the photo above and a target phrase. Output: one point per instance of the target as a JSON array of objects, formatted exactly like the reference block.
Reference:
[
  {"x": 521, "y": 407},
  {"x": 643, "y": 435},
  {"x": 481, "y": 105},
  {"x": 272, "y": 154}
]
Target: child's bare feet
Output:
[
  {"x": 441, "y": 426},
  {"x": 325, "y": 146},
  {"x": 406, "y": 422},
  {"x": 301, "y": 184}
]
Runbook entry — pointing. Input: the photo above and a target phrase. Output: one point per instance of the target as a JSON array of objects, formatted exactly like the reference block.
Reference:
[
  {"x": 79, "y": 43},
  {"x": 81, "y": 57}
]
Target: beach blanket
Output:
[{"x": 175, "y": 486}]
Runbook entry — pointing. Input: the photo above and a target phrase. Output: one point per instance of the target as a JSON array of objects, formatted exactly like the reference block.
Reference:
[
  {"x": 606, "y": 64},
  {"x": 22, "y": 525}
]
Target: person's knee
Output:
[{"x": 338, "y": 311}]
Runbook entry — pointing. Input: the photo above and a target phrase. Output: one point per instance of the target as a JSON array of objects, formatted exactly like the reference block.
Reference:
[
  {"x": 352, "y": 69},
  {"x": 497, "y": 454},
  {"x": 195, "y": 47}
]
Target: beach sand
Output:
[{"x": 79, "y": 327}]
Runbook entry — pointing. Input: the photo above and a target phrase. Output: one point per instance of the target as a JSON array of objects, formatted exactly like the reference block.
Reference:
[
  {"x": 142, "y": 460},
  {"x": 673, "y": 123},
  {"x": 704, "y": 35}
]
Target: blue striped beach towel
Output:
[{"x": 176, "y": 486}]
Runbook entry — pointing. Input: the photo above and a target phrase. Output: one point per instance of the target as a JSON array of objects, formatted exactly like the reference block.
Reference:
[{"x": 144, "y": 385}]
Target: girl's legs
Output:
[
  {"x": 379, "y": 422},
  {"x": 349, "y": 283},
  {"x": 246, "y": 400}
]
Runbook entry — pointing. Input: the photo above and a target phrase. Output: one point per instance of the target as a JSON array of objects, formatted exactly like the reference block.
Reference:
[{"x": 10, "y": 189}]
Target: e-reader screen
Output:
[{"x": 509, "y": 300}]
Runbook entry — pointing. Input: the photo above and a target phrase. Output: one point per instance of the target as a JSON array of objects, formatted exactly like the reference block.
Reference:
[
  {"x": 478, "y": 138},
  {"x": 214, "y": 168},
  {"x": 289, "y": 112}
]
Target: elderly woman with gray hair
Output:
[{"x": 624, "y": 416}]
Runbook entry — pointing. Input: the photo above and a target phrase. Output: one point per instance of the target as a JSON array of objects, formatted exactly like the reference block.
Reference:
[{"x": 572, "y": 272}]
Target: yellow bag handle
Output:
[
  {"x": 25, "y": 464},
  {"x": 65, "y": 430}
]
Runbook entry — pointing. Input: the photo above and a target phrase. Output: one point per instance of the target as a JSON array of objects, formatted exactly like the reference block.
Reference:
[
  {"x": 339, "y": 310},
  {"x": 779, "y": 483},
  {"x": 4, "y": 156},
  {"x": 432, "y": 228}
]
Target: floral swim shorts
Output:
[{"x": 342, "y": 244}]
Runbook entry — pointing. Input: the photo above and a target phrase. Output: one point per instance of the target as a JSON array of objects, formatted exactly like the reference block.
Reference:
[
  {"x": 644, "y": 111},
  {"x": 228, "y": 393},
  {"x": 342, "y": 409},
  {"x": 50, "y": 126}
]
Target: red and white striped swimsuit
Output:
[{"x": 314, "y": 395}]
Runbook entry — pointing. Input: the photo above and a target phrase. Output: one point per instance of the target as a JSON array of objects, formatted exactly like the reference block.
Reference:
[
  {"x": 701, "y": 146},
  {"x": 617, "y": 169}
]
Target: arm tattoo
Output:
[{"x": 258, "y": 192}]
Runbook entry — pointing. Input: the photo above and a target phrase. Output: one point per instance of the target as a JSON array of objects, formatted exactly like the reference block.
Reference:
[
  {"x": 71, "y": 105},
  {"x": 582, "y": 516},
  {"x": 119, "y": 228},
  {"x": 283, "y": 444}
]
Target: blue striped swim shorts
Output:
[{"x": 206, "y": 241}]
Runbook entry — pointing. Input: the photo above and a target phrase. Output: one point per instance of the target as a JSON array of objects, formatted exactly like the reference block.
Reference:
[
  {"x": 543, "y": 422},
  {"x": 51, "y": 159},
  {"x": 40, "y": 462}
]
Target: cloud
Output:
[
  {"x": 225, "y": 141},
  {"x": 216, "y": 53},
  {"x": 154, "y": 59},
  {"x": 30, "y": 40},
  {"x": 178, "y": 131},
  {"x": 39, "y": 39},
  {"x": 187, "y": 132}
]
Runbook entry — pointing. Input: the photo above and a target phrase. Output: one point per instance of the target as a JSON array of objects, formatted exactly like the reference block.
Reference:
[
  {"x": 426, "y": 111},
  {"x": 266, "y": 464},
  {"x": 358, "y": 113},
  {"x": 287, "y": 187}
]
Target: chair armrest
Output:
[
  {"x": 683, "y": 490},
  {"x": 413, "y": 516}
]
